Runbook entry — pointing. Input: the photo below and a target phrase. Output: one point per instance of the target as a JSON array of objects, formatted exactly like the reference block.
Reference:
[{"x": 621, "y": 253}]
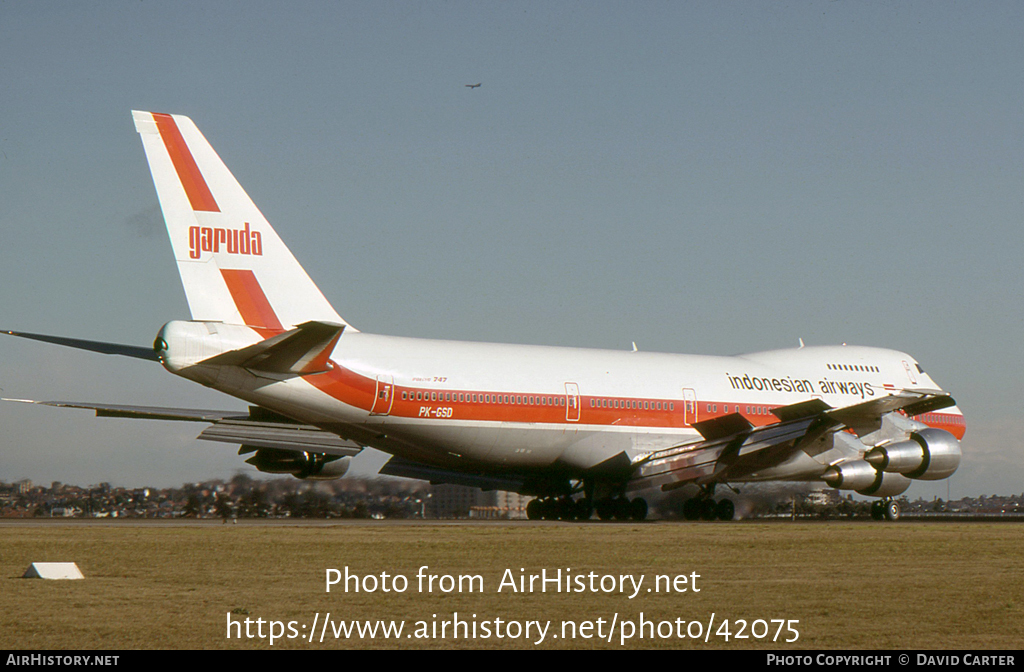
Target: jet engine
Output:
[
  {"x": 864, "y": 479},
  {"x": 313, "y": 466},
  {"x": 930, "y": 455}
]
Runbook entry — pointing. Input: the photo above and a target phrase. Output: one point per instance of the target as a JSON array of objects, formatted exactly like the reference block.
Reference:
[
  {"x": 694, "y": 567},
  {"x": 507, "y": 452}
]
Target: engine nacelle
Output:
[
  {"x": 851, "y": 475},
  {"x": 313, "y": 466},
  {"x": 930, "y": 455},
  {"x": 864, "y": 479},
  {"x": 887, "y": 485}
]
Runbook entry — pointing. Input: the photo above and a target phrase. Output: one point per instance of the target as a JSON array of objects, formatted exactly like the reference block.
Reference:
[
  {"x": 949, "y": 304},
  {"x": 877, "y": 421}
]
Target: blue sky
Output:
[{"x": 697, "y": 177}]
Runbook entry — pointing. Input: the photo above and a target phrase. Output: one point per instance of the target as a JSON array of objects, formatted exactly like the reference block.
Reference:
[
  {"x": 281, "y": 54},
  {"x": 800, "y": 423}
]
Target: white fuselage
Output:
[{"x": 496, "y": 406}]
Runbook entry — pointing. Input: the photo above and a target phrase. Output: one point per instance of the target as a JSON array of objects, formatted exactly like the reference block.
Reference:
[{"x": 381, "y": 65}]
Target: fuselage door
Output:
[
  {"x": 384, "y": 397},
  {"x": 910, "y": 372},
  {"x": 572, "y": 402},
  {"x": 689, "y": 406}
]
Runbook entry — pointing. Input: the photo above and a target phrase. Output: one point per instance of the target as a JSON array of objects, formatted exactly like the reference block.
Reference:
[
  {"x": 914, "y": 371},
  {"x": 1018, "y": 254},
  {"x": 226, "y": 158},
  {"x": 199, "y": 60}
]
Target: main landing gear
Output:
[
  {"x": 704, "y": 506},
  {"x": 885, "y": 509},
  {"x": 566, "y": 508},
  {"x": 621, "y": 508}
]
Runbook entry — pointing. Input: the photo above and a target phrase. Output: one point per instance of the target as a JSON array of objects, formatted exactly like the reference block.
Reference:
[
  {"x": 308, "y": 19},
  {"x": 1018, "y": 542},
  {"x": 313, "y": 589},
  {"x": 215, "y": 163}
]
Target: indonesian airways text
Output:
[{"x": 788, "y": 384}]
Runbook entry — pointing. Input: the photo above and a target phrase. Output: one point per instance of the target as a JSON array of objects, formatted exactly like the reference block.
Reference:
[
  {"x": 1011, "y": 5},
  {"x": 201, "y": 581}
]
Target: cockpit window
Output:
[{"x": 919, "y": 369}]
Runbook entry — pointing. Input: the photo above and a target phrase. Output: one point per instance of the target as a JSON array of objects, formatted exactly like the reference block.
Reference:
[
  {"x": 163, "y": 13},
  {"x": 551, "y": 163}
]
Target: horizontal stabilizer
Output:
[
  {"x": 94, "y": 346},
  {"x": 303, "y": 350}
]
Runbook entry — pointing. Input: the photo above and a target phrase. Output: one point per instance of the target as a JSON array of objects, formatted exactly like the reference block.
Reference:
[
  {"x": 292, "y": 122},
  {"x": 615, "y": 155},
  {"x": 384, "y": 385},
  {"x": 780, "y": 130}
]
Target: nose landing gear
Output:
[{"x": 885, "y": 509}]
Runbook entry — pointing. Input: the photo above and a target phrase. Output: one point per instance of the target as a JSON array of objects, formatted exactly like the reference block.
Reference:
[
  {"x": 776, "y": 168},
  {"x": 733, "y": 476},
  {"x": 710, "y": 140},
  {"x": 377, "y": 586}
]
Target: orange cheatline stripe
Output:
[
  {"x": 188, "y": 172},
  {"x": 250, "y": 300}
]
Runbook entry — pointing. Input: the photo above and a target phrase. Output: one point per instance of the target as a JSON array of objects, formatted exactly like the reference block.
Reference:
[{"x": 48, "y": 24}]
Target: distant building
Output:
[
  {"x": 506, "y": 505},
  {"x": 824, "y": 496},
  {"x": 460, "y": 501}
]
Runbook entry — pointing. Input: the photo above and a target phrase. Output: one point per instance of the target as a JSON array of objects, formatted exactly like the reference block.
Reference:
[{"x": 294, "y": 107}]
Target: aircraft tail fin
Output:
[{"x": 234, "y": 267}]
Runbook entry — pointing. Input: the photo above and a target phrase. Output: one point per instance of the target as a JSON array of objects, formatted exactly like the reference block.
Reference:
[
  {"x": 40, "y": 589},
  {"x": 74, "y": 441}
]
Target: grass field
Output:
[{"x": 850, "y": 584}]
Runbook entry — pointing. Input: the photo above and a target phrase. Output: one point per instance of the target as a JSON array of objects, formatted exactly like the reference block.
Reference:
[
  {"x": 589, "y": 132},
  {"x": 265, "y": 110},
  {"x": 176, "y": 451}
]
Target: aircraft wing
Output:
[
  {"x": 732, "y": 447},
  {"x": 257, "y": 428}
]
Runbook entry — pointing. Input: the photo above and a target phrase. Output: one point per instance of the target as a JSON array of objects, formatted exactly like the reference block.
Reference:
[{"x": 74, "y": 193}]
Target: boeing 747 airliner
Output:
[{"x": 582, "y": 430}]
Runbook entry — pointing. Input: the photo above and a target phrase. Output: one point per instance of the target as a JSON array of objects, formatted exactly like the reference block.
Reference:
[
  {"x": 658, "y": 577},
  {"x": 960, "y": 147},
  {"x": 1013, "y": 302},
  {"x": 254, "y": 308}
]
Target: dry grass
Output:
[{"x": 850, "y": 585}]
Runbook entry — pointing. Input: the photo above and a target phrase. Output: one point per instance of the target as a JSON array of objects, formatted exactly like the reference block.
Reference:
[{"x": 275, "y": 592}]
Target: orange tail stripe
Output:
[
  {"x": 250, "y": 300},
  {"x": 188, "y": 172}
]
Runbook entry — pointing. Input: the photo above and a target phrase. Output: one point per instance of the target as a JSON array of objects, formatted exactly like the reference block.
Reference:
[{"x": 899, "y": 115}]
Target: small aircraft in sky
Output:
[
  {"x": 581, "y": 430},
  {"x": 473, "y": 86}
]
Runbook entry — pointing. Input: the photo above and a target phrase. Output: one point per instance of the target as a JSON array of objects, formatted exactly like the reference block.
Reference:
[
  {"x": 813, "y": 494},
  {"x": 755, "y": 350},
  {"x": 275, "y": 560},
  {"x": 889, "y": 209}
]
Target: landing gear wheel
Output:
[
  {"x": 561, "y": 509},
  {"x": 534, "y": 509},
  {"x": 877, "y": 510},
  {"x": 691, "y": 509},
  {"x": 622, "y": 510},
  {"x": 725, "y": 509},
  {"x": 605, "y": 509},
  {"x": 638, "y": 509},
  {"x": 892, "y": 511},
  {"x": 550, "y": 510},
  {"x": 583, "y": 509},
  {"x": 708, "y": 509}
]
